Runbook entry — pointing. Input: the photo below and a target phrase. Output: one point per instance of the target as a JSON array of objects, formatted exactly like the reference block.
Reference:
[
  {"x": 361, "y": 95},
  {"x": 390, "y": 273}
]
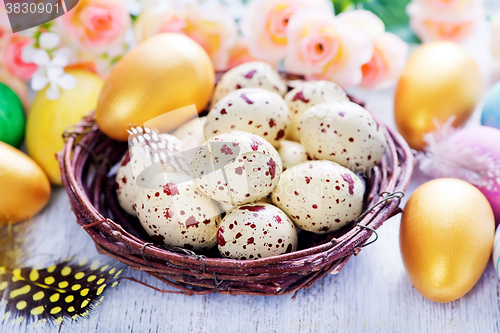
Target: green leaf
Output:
[
  {"x": 393, "y": 14},
  {"x": 405, "y": 33},
  {"x": 343, "y": 5}
]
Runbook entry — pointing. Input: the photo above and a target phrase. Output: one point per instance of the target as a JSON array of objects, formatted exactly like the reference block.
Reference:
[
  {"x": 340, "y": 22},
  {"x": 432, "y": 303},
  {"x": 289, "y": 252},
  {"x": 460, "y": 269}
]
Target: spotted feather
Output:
[{"x": 65, "y": 290}]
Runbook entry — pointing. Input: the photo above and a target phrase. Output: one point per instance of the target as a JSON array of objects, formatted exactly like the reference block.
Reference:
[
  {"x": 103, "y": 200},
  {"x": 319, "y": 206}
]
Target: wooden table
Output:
[{"x": 371, "y": 293}]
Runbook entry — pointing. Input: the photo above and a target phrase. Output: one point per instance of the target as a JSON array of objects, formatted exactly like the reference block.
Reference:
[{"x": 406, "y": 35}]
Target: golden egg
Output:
[
  {"x": 24, "y": 189},
  {"x": 165, "y": 72},
  {"x": 439, "y": 81},
  {"x": 446, "y": 238},
  {"x": 48, "y": 119}
]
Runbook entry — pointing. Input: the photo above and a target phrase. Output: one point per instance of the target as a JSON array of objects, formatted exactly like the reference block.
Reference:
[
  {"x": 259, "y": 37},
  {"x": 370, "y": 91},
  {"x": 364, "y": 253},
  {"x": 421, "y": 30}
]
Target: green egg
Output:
[{"x": 12, "y": 120}]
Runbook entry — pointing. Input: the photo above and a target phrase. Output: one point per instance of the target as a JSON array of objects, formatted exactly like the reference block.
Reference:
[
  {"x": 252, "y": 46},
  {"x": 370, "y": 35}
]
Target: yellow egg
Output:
[
  {"x": 446, "y": 238},
  {"x": 164, "y": 73},
  {"x": 24, "y": 189},
  {"x": 48, "y": 119},
  {"x": 439, "y": 81}
]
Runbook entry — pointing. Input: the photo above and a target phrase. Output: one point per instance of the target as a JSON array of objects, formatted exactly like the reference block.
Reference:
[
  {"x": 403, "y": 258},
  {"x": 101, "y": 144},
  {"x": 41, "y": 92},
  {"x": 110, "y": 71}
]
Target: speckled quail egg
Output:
[
  {"x": 236, "y": 167},
  {"x": 320, "y": 196},
  {"x": 291, "y": 153},
  {"x": 253, "y": 110},
  {"x": 226, "y": 207},
  {"x": 191, "y": 133},
  {"x": 256, "y": 231},
  {"x": 137, "y": 168},
  {"x": 177, "y": 213},
  {"x": 307, "y": 94},
  {"x": 254, "y": 74},
  {"x": 343, "y": 132},
  {"x": 127, "y": 189}
]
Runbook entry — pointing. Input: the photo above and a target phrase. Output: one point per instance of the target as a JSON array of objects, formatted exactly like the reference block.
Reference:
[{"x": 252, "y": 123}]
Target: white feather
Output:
[{"x": 444, "y": 158}]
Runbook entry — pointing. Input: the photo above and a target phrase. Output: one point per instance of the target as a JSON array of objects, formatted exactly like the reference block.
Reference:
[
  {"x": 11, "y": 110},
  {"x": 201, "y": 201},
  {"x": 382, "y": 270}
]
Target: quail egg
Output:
[
  {"x": 320, "y": 196},
  {"x": 256, "y": 231},
  {"x": 291, "y": 153},
  {"x": 253, "y": 110},
  {"x": 177, "y": 213},
  {"x": 236, "y": 168},
  {"x": 254, "y": 74},
  {"x": 343, "y": 132},
  {"x": 307, "y": 94},
  {"x": 191, "y": 133},
  {"x": 127, "y": 189},
  {"x": 138, "y": 167}
]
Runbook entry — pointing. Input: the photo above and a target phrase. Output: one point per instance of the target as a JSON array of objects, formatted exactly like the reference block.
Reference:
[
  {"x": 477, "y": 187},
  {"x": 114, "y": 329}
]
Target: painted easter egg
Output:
[
  {"x": 439, "y": 81},
  {"x": 496, "y": 252},
  {"x": 12, "y": 121},
  {"x": 491, "y": 107},
  {"x": 25, "y": 189},
  {"x": 48, "y": 119},
  {"x": 446, "y": 238},
  {"x": 166, "y": 72}
]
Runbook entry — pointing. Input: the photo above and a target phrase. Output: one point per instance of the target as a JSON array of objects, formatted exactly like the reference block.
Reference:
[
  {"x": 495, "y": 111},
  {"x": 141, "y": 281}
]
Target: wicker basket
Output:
[{"x": 87, "y": 158}]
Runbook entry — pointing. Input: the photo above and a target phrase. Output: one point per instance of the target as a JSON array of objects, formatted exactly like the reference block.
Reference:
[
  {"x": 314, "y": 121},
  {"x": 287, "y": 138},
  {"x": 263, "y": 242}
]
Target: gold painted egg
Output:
[
  {"x": 24, "y": 189},
  {"x": 48, "y": 119},
  {"x": 165, "y": 72},
  {"x": 446, "y": 238},
  {"x": 439, "y": 81}
]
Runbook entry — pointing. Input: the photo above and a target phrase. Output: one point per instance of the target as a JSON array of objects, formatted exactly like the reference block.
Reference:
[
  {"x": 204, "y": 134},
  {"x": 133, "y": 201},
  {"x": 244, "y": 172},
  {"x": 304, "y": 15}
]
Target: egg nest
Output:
[{"x": 89, "y": 162}]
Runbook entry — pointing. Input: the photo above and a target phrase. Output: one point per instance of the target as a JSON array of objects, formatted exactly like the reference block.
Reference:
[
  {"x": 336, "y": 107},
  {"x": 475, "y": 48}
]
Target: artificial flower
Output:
[
  {"x": 209, "y": 24},
  {"x": 50, "y": 70},
  {"x": 164, "y": 17},
  {"x": 322, "y": 48},
  {"x": 134, "y": 7},
  {"x": 449, "y": 7},
  {"x": 363, "y": 19},
  {"x": 239, "y": 54},
  {"x": 387, "y": 63},
  {"x": 264, "y": 25},
  {"x": 214, "y": 29},
  {"x": 12, "y": 56},
  {"x": 453, "y": 20},
  {"x": 389, "y": 51},
  {"x": 96, "y": 25},
  {"x": 495, "y": 35},
  {"x": 4, "y": 21}
]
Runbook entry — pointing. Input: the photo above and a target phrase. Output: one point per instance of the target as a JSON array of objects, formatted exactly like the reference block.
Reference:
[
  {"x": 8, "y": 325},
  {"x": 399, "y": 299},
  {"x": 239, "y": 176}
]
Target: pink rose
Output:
[
  {"x": 449, "y": 7},
  {"x": 210, "y": 25},
  {"x": 389, "y": 51},
  {"x": 4, "y": 21},
  {"x": 495, "y": 35},
  {"x": 453, "y": 20},
  {"x": 265, "y": 23},
  {"x": 160, "y": 18},
  {"x": 387, "y": 63},
  {"x": 97, "y": 25},
  {"x": 363, "y": 19},
  {"x": 214, "y": 29},
  {"x": 239, "y": 54},
  {"x": 12, "y": 59},
  {"x": 322, "y": 48}
]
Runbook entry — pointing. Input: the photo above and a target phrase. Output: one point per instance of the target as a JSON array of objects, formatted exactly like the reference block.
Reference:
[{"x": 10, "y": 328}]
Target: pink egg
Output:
[{"x": 482, "y": 141}]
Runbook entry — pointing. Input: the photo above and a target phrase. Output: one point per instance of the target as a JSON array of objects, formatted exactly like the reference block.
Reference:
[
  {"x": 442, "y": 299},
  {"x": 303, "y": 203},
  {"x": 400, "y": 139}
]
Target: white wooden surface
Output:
[{"x": 371, "y": 293}]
